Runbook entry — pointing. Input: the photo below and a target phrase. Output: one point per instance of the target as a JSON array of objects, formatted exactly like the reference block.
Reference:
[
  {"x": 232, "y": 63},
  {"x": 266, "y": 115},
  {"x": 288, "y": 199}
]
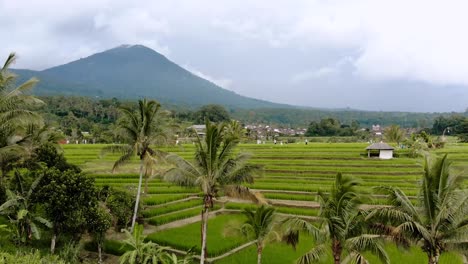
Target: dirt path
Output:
[{"x": 294, "y": 203}]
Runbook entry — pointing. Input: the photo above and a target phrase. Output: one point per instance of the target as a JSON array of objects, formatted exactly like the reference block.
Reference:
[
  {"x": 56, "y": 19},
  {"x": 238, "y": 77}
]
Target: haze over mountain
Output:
[{"x": 135, "y": 71}]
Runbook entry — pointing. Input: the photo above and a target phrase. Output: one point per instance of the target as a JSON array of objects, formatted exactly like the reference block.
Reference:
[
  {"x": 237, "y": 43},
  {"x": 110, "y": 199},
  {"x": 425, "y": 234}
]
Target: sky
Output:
[{"x": 397, "y": 55}]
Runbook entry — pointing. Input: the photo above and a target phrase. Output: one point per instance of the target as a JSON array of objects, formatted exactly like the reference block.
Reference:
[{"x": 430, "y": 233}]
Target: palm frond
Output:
[
  {"x": 295, "y": 224},
  {"x": 414, "y": 230},
  {"x": 122, "y": 160},
  {"x": 367, "y": 242},
  {"x": 43, "y": 221},
  {"x": 314, "y": 255}
]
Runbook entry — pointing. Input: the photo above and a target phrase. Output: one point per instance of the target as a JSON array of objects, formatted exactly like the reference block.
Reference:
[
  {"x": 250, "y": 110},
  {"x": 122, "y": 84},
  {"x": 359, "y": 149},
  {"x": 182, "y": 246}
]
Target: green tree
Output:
[
  {"x": 67, "y": 198},
  {"x": 439, "y": 223},
  {"x": 262, "y": 225},
  {"x": 99, "y": 222},
  {"x": 121, "y": 204},
  {"x": 342, "y": 226},
  {"x": 213, "y": 112},
  {"x": 141, "y": 130},
  {"x": 216, "y": 167}
]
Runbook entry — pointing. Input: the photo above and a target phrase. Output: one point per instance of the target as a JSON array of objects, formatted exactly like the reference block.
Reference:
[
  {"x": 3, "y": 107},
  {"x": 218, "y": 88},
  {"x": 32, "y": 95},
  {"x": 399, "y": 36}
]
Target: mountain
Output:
[{"x": 135, "y": 71}]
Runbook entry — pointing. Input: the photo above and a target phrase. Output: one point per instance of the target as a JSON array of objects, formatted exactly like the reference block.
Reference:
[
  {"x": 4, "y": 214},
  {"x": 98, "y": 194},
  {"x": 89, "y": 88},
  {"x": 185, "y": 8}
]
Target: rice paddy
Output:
[{"x": 293, "y": 174}]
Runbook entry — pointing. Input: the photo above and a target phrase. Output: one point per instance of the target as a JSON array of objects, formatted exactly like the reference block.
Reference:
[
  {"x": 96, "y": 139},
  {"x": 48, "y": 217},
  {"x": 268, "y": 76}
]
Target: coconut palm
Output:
[
  {"x": 216, "y": 168},
  {"x": 141, "y": 129},
  {"x": 14, "y": 115},
  {"x": 342, "y": 227},
  {"x": 439, "y": 222},
  {"x": 35, "y": 137},
  {"x": 262, "y": 225},
  {"x": 394, "y": 134}
]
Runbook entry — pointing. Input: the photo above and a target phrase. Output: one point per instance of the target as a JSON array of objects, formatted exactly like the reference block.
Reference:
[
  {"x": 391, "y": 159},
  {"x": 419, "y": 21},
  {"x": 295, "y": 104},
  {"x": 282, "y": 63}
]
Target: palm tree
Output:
[
  {"x": 342, "y": 227},
  {"x": 262, "y": 224},
  {"x": 35, "y": 137},
  {"x": 141, "y": 130},
  {"x": 20, "y": 210},
  {"x": 394, "y": 134},
  {"x": 216, "y": 167},
  {"x": 439, "y": 223},
  {"x": 14, "y": 115}
]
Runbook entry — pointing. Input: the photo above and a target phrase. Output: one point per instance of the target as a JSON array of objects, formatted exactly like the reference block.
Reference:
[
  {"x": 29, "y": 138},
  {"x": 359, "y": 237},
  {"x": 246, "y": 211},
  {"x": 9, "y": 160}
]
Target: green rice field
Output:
[{"x": 293, "y": 174}]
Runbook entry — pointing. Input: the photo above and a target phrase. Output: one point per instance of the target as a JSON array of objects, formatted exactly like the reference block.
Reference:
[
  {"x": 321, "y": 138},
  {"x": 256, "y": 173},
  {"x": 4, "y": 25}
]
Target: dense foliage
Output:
[
  {"x": 452, "y": 125},
  {"x": 331, "y": 127},
  {"x": 212, "y": 112}
]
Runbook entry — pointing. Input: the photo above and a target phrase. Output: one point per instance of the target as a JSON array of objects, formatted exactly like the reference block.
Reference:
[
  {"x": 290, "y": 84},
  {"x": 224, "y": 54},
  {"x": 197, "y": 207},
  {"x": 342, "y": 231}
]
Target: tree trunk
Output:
[
  {"x": 336, "y": 249},
  {"x": 146, "y": 184},
  {"x": 259, "y": 254},
  {"x": 434, "y": 258},
  {"x": 52, "y": 243},
  {"x": 99, "y": 253},
  {"x": 137, "y": 202},
  {"x": 204, "y": 216}
]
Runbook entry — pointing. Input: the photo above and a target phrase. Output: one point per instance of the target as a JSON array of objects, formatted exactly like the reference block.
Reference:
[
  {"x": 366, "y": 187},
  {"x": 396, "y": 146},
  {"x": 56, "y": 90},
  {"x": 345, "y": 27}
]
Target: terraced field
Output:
[{"x": 293, "y": 175}]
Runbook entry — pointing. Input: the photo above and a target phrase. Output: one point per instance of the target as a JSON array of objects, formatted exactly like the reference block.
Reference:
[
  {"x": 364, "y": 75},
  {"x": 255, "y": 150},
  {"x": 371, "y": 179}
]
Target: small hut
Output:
[
  {"x": 383, "y": 150},
  {"x": 199, "y": 129}
]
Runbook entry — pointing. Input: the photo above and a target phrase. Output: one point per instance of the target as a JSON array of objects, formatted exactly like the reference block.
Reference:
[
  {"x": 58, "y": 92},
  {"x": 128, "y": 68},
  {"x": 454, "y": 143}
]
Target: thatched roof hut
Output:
[{"x": 384, "y": 150}]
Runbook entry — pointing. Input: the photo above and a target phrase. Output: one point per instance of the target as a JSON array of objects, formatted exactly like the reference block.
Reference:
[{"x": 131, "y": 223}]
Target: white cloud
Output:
[
  {"x": 417, "y": 40},
  {"x": 221, "y": 82}
]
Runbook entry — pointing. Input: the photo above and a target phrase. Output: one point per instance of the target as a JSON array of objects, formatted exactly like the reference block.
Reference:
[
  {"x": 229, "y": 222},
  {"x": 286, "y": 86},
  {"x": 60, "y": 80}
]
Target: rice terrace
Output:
[{"x": 294, "y": 173}]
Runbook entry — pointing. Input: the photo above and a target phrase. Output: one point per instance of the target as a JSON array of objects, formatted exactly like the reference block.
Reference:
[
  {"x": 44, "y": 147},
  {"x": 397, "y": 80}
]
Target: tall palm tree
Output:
[
  {"x": 262, "y": 224},
  {"x": 439, "y": 222},
  {"x": 216, "y": 167},
  {"x": 342, "y": 227},
  {"x": 14, "y": 114},
  {"x": 140, "y": 129}
]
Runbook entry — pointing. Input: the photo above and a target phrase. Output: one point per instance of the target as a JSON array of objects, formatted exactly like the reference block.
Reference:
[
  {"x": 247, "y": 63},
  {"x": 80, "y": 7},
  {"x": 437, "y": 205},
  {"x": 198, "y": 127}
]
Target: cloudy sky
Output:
[{"x": 405, "y": 55}]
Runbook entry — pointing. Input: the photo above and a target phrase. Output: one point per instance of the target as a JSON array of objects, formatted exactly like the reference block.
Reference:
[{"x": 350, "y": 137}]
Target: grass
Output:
[
  {"x": 278, "y": 253},
  {"x": 274, "y": 253}
]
